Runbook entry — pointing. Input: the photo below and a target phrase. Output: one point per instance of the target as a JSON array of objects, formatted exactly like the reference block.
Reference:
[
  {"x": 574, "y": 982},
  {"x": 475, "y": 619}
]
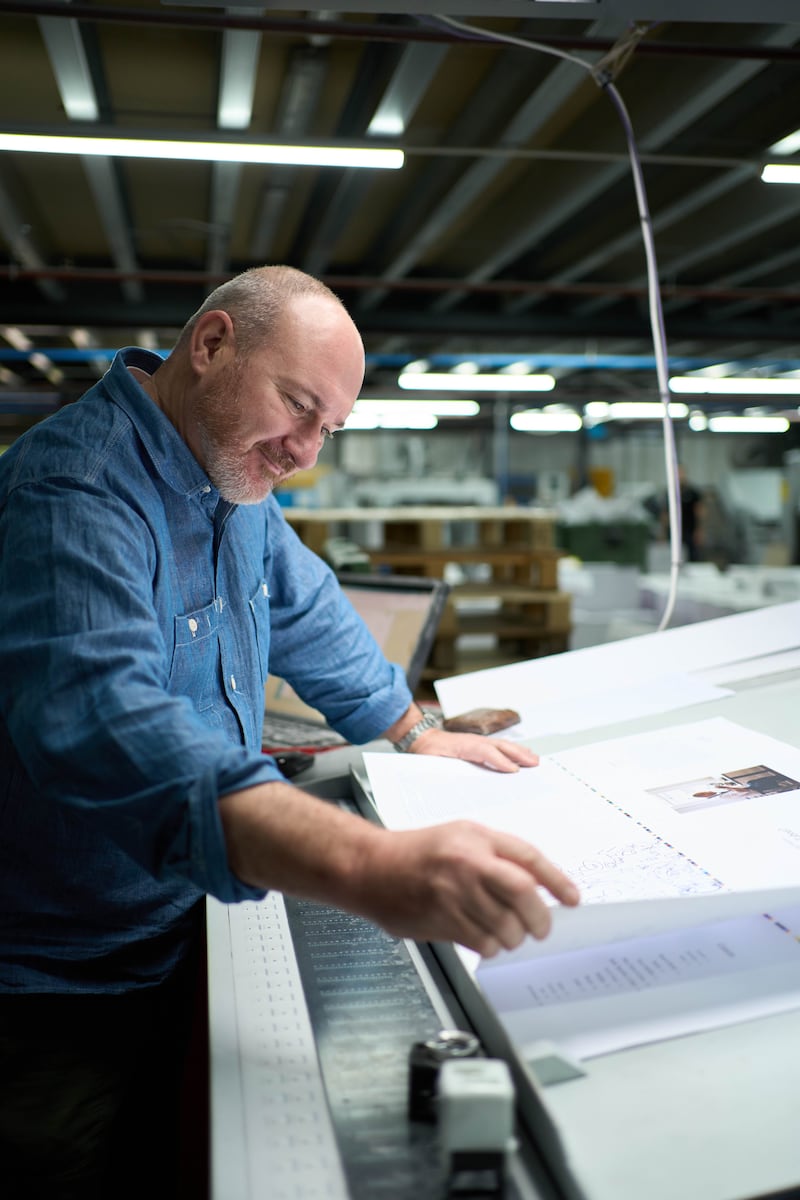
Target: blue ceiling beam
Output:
[{"x": 573, "y": 362}]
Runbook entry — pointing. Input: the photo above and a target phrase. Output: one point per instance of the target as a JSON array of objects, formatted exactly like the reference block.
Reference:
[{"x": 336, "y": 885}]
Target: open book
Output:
[{"x": 685, "y": 843}]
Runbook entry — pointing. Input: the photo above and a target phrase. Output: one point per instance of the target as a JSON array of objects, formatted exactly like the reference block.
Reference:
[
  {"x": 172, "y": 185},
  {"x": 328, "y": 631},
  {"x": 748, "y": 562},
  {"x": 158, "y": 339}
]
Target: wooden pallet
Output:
[
  {"x": 535, "y": 568},
  {"x": 520, "y": 622},
  {"x": 429, "y": 528},
  {"x": 516, "y": 610}
]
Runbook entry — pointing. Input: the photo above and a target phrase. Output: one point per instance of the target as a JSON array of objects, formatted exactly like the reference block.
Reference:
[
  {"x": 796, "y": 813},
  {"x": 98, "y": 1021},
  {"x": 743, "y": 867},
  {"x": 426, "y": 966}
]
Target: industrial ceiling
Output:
[{"x": 510, "y": 232}]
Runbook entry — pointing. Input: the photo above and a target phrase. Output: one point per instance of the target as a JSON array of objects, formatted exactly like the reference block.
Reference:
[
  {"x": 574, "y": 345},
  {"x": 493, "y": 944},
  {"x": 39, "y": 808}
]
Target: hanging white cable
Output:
[
  {"x": 660, "y": 350},
  {"x": 602, "y": 78}
]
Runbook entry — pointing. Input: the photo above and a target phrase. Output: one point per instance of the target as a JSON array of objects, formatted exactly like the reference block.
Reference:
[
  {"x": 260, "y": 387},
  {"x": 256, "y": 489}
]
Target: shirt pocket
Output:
[
  {"x": 195, "y": 672},
  {"x": 259, "y": 607}
]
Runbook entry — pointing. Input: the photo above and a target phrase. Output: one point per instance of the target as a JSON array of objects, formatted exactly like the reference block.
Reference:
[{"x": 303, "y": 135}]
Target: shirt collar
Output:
[{"x": 169, "y": 453}]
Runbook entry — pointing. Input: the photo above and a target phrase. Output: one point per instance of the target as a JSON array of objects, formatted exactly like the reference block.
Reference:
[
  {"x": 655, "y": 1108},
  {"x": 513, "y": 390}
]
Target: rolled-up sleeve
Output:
[{"x": 322, "y": 646}]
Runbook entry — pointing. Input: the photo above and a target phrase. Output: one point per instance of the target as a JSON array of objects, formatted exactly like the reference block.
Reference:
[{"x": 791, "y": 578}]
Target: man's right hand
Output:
[
  {"x": 459, "y": 882},
  {"x": 464, "y": 883}
]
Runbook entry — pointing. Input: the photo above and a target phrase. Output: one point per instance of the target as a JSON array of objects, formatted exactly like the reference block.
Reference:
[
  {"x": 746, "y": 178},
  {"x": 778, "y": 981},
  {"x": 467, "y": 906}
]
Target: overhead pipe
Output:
[
  {"x": 365, "y": 282},
  {"x": 365, "y": 31}
]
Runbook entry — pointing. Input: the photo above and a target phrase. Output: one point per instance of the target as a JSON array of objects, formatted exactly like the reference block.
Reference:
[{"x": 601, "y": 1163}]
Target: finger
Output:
[
  {"x": 500, "y": 755},
  {"x": 517, "y": 891},
  {"x": 518, "y": 752},
  {"x": 488, "y": 948},
  {"x": 476, "y": 937},
  {"x": 497, "y": 760},
  {"x": 539, "y": 866},
  {"x": 489, "y": 909}
]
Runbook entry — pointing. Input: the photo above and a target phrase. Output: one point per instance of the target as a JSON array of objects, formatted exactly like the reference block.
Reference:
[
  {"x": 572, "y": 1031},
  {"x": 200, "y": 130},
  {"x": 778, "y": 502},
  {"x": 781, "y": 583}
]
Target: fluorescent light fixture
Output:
[
  {"x": 535, "y": 421},
  {"x": 739, "y": 424},
  {"x": 400, "y": 407},
  {"x": 781, "y": 173},
  {"x": 633, "y": 410},
  {"x": 16, "y": 338},
  {"x": 391, "y": 414},
  {"x": 787, "y": 145},
  {"x": 705, "y": 385},
  {"x": 698, "y": 421},
  {"x": 147, "y": 338},
  {"x": 452, "y": 408},
  {"x": 720, "y": 370},
  {"x": 491, "y": 382},
  {"x": 361, "y": 421},
  {"x": 47, "y": 367},
  {"x": 240, "y": 152},
  {"x": 374, "y": 420},
  {"x": 389, "y": 124}
]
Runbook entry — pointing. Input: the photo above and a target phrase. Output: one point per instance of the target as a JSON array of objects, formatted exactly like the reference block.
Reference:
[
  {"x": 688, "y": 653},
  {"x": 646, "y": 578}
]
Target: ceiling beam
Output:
[{"x": 70, "y": 64}]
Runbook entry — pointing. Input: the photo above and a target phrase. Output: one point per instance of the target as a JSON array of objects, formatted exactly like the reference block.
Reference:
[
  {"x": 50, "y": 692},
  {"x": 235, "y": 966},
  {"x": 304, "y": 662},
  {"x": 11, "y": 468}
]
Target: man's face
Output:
[{"x": 266, "y": 415}]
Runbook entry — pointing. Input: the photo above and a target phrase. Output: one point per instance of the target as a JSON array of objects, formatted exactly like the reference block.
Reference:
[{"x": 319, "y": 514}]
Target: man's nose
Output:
[{"x": 304, "y": 446}]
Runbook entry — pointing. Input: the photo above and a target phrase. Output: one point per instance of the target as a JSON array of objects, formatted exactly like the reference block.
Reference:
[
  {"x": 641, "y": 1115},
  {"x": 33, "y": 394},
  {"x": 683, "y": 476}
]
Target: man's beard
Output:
[{"x": 225, "y": 464}]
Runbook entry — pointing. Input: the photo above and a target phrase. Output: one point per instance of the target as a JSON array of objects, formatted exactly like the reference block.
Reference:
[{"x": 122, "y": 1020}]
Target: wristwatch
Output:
[{"x": 429, "y": 721}]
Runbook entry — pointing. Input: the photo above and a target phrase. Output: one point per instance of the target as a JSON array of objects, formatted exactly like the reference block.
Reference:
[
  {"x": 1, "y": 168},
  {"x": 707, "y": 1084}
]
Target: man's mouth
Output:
[{"x": 277, "y": 463}]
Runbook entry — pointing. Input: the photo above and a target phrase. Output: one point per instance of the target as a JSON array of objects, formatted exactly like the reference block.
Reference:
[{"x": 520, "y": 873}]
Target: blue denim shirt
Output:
[{"x": 139, "y": 615}]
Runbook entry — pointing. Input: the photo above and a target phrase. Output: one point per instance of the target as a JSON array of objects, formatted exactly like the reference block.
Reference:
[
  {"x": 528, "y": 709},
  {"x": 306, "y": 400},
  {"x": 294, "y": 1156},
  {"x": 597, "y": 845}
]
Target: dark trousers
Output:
[{"x": 98, "y": 1097}]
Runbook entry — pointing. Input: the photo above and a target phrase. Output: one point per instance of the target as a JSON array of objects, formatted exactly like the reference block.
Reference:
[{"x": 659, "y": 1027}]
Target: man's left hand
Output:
[{"x": 498, "y": 754}]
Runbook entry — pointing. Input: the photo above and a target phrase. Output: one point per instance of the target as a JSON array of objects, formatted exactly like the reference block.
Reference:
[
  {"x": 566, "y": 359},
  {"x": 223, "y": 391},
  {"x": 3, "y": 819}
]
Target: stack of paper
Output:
[{"x": 685, "y": 844}]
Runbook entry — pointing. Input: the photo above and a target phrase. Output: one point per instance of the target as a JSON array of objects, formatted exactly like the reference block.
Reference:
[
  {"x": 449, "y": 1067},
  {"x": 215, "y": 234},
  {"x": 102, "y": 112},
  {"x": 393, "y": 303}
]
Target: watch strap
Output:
[{"x": 429, "y": 721}]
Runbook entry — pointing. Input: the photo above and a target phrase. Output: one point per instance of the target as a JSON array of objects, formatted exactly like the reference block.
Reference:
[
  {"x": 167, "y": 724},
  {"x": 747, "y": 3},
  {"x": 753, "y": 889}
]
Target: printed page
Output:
[
  {"x": 721, "y": 795},
  {"x": 677, "y": 829},
  {"x": 615, "y": 995},
  {"x": 616, "y": 860},
  {"x": 607, "y": 854}
]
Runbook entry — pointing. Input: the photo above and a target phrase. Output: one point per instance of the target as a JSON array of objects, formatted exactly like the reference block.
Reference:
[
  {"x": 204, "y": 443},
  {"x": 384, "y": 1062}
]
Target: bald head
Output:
[
  {"x": 256, "y": 302},
  {"x": 267, "y": 368}
]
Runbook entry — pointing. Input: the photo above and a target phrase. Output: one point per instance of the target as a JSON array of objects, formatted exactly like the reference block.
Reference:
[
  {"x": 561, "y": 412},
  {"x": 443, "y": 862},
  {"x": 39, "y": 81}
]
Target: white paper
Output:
[
  {"x": 599, "y": 685},
  {"x": 616, "y": 995},
  {"x": 664, "y": 833},
  {"x": 682, "y": 783},
  {"x": 752, "y": 668},
  {"x": 606, "y": 704}
]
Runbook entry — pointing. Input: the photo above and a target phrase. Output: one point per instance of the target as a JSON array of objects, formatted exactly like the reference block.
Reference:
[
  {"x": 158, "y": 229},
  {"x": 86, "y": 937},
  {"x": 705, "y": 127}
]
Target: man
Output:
[
  {"x": 692, "y": 517},
  {"x": 148, "y": 580}
]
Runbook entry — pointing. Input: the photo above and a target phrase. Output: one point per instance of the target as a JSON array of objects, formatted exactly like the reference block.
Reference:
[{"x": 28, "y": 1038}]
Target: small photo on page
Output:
[{"x": 727, "y": 787}]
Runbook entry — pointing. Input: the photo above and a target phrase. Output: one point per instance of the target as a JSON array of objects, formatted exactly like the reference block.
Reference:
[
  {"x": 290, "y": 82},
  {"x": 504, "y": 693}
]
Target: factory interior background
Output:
[{"x": 507, "y": 245}]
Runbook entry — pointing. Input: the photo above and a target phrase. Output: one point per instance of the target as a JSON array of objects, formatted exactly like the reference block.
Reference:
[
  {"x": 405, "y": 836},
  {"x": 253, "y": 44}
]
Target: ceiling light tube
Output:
[
  {"x": 495, "y": 382},
  {"x": 739, "y": 424},
  {"x": 388, "y": 420},
  {"x": 788, "y": 145},
  {"x": 535, "y": 421},
  {"x": 781, "y": 173},
  {"x": 707, "y": 385},
  {"x": 633, "y": 410},
  {"x": 200, "y": 151},
  {"x": 441, "y": 407}
]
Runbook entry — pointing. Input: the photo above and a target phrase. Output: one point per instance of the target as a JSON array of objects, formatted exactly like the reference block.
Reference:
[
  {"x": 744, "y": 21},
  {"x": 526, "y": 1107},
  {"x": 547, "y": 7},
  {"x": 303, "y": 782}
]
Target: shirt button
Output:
[
  {"x": 192, "y": 626},
  {"x": 206, "y": 489},
  {"x": 233, "y": 683}
]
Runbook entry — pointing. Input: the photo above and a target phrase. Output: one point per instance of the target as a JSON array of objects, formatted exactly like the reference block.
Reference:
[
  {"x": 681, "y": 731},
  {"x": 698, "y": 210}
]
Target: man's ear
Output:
[{"x": 213, "y": 341}]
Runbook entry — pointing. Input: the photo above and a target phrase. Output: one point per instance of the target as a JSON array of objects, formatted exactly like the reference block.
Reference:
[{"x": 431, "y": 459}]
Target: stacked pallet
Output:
[{"x": 506, "y": 606}]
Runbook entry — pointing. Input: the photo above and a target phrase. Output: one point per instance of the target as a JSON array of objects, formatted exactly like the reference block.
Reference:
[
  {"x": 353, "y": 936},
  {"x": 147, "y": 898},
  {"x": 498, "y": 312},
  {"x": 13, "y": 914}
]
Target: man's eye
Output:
[{"x": 296, "y": 405}]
